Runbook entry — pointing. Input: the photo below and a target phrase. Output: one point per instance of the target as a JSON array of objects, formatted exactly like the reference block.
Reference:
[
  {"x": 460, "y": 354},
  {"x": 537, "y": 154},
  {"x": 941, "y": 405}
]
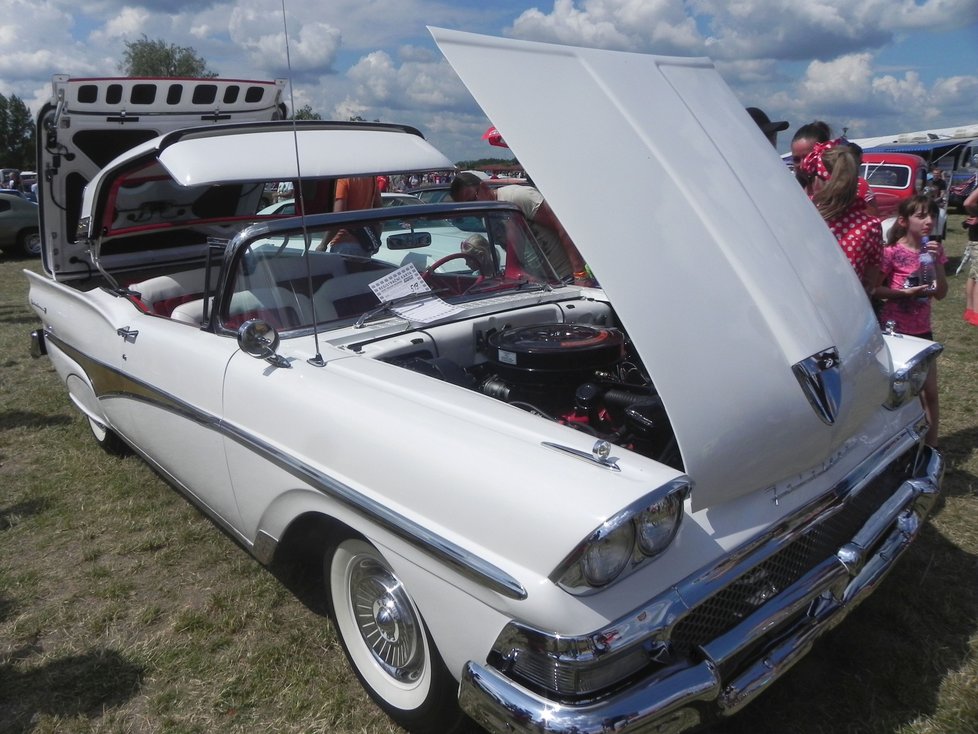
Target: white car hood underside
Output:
[{"x": 721, "y": 270}]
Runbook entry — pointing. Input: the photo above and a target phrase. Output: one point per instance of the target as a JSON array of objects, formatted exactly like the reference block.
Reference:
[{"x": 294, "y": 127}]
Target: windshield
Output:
[
  {"x": 886, "y": 175},
  {"x": 323, "y": 271}
]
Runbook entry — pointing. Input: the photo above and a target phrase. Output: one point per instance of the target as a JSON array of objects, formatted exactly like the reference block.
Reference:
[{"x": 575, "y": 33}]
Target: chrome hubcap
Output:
[{"x": 386, "y": 620}]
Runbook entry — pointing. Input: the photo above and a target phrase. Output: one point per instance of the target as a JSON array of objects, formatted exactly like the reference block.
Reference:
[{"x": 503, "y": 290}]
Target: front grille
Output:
[{"x": 725, "y": 609}]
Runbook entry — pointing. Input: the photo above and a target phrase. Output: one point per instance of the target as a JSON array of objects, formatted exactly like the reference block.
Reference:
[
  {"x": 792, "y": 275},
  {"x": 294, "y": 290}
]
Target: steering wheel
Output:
[{"x": 470, "y": 260}]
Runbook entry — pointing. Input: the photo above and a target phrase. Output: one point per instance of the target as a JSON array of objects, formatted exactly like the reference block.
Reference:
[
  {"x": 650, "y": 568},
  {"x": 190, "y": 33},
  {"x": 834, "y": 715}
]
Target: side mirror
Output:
[{"x": 259, "y": 339}]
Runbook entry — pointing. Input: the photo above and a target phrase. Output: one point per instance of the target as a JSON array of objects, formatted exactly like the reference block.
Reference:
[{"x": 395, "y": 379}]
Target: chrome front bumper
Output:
[{"x": 774, "y": 638}]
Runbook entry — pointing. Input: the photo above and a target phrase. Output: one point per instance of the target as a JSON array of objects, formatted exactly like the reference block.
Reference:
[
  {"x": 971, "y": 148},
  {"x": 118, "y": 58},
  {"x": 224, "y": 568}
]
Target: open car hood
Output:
[{"x": 724, "y": 275}]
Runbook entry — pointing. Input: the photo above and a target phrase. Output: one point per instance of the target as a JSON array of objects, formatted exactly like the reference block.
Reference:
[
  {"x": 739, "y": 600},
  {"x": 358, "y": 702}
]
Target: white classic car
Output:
[{"x": 629, "y": 507}]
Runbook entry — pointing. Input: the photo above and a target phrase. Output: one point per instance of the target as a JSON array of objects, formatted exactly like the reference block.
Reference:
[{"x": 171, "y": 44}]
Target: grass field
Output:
[{"x": 122, "y": 609}]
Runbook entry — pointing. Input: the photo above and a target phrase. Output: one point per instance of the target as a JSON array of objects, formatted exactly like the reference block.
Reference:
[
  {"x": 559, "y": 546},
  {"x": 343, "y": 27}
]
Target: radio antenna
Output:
[{"x": 317, "y": 360}]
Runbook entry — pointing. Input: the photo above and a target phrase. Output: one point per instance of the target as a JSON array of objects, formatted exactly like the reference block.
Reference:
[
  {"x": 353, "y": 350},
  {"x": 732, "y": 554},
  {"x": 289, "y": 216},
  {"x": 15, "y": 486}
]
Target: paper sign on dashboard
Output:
[{"x": 406, "y": 281}]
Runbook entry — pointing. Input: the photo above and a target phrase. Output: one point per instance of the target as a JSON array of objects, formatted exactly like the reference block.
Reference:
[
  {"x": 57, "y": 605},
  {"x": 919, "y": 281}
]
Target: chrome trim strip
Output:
[
  {"x": 853, "y": 554},
  {"x": 499, "y": 704},
  {"x": 458, "y": 558},
  {"x": 110, "y": 383},
  {"x": 593, "y": 458}
]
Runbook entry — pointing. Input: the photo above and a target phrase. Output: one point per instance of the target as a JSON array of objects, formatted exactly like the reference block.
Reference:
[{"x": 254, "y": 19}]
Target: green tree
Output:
[
  {"x": 162, "y": 59},
  {"x": 306, "y": 113},
  {"x": 17, "y": 137}
]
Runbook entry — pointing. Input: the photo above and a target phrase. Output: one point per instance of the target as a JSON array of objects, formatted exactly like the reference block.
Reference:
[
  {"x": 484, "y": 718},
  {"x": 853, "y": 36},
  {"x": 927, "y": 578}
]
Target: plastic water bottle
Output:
[{"x": 928, "y": 275}]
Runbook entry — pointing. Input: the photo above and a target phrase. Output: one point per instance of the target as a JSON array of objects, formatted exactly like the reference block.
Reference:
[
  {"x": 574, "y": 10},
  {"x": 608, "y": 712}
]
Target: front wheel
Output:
[{"x": 386, "y": 641}]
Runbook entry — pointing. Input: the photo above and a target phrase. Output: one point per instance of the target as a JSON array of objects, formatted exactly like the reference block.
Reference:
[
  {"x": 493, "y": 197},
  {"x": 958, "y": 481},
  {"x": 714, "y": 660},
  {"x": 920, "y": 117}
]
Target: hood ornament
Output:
[{"x": 821, "y": 381}]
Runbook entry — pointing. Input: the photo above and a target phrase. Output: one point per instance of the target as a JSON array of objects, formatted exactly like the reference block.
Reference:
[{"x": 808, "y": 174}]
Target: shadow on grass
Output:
[
  {"x": 7, "y": 609},
  {"x": 884, "y": 666},
  {"x": 67, "y": 687},
  {"x": 29, "y": 419},
  {"x": 958, "y": 448},
  {"x": 23, "y": 317},
  {"x": 15, "y": 514}
]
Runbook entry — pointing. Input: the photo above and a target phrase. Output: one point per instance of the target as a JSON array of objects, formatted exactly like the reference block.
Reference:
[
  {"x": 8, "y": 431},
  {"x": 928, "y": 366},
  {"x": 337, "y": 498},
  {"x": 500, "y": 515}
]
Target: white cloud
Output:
[
  {"x": 379, "y": 82},
  {"x": 845, "y": 79},
  {"x": 312, "y": 45},
  {"x": 128, "y": 24},
  {"x": 655, "y": 26}
]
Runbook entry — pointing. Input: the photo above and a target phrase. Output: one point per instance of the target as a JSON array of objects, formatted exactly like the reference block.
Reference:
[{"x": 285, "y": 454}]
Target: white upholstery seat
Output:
[
  {"x": 163, "y": 292},
  {"x": 330, "y": 295},
  {"x": 191, "y": 312},
  {"x": 281, "y": 307}
]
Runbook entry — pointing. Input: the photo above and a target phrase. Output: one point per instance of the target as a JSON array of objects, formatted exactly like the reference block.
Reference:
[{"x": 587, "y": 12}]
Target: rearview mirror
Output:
[{"x": 408, "y": 240}]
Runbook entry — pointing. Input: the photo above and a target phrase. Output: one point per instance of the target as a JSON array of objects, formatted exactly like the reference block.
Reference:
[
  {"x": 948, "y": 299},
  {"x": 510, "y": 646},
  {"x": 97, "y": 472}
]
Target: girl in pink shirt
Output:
[{"x": 907, "y": 296}]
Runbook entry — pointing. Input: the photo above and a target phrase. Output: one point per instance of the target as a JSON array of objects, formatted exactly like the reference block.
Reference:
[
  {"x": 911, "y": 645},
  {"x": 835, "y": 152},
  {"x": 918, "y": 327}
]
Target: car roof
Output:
[{"x": 907, "y": 159}]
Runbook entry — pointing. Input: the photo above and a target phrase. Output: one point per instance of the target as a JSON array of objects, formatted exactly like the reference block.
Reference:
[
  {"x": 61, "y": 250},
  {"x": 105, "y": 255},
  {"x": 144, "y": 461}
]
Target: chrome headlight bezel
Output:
[
  {"x": 907, "y": 380},
  {"x": 625, "y": 541}
]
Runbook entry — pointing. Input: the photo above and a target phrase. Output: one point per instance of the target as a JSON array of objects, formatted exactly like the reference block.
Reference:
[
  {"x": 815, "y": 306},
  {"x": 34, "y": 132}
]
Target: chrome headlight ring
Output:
[
  {"x": 907, "y": 381},
  {"x": 625, "y": 541}
]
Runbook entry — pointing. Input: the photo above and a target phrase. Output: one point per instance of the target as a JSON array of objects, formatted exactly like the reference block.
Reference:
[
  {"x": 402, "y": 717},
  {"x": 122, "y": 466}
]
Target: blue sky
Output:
[{"x": 871, "y": 66}]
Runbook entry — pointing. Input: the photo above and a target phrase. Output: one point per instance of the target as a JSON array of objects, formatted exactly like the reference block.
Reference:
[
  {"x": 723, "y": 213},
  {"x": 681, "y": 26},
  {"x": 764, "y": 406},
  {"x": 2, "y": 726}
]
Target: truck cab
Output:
[{"x": 895, "y": 177}]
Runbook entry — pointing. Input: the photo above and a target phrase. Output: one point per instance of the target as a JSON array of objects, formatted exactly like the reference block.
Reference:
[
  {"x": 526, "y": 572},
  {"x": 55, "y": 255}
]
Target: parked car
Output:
[
  {"x": 894, "y": 177},
  {"x": 554, "y": 508},
  {"x": 19, "y": 224}
]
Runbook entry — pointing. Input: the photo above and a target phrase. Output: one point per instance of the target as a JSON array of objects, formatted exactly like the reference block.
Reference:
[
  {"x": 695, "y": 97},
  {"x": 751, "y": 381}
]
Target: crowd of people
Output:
[{"x": 26, "y": 187}]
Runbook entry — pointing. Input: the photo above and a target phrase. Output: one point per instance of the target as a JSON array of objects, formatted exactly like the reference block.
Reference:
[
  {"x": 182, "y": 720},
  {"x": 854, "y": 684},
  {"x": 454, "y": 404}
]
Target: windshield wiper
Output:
[
  {"x": 523, "y": 285},
  {"x": 389, "y": 305}
]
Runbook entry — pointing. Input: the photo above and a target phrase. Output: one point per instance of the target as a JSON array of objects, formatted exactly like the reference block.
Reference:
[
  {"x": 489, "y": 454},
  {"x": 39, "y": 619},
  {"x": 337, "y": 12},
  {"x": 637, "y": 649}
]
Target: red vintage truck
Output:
[{"x": 894, "y": 177}]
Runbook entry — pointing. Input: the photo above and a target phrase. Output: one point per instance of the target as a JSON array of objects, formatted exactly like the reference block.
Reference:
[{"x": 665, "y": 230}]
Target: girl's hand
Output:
[{"x": 919, "y": 291}]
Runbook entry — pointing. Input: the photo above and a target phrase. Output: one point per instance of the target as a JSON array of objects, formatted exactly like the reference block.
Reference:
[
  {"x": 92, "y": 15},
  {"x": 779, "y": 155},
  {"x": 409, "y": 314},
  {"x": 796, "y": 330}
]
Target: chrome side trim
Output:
[
  {"x": 453, "y": 555},
  {"x": 109, "y": 382},
  {"x": 600, "y": 455}
]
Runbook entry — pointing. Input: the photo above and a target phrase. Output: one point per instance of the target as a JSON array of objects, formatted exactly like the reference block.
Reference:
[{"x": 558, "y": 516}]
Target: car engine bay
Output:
[{"x": 564, "y": 362}]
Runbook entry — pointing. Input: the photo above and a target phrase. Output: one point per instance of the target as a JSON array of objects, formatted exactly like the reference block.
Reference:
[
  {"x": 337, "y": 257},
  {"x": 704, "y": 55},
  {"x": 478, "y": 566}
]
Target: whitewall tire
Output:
[{"x": 386, "y": 641}]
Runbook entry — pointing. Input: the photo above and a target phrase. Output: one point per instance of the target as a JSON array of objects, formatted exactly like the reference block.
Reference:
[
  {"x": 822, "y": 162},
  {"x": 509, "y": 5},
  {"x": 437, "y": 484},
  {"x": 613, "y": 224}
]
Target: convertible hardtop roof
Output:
[{"x": 190, "y": 160}]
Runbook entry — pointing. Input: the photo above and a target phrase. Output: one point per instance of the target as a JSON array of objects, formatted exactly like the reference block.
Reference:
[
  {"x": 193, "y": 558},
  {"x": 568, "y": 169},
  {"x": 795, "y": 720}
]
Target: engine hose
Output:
[{"x": 625, "y": 398}]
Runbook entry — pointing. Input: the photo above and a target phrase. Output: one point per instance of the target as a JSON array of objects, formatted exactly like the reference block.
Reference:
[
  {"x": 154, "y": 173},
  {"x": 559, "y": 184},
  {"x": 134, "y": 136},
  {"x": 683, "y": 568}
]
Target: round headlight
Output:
[
  {"x": 657, "y": 525},
  {"x": 607, "y": 555}
]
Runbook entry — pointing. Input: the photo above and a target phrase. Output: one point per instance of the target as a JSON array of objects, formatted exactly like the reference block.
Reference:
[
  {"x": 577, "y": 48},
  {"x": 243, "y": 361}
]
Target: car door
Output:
[{"x": 175, "y": 404}]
